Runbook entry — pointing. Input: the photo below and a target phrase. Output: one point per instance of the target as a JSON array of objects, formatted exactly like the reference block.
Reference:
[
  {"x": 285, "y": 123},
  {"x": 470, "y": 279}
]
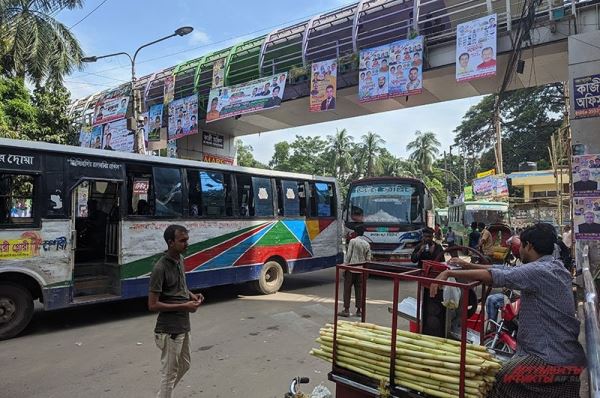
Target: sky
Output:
[{"x": 117, "y": 25}]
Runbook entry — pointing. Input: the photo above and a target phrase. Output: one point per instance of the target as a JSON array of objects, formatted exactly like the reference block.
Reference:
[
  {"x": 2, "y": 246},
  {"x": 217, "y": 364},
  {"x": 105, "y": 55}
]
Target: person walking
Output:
[
  {"x": 359, "y": 251},
  {"x": 474, "y": 236},
  {"x": 169, "y": 296},
  {"x": 451, "y": 241}
]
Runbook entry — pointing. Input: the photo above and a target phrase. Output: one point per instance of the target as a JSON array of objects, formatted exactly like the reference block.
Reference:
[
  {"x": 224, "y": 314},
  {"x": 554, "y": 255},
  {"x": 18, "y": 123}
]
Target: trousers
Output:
[
  {"x": 175, "y": 360},
  {"x": 352, "y": 279}
]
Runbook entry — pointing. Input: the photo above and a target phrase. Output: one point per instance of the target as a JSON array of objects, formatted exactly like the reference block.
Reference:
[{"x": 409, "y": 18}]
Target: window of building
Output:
[
  {"x": 16, "y": 199},
  {"x": 322, "y": 199}
]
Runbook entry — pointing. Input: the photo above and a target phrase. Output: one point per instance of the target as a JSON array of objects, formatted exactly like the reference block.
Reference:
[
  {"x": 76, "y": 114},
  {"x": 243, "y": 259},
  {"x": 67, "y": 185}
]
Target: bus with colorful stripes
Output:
[{"x": 81, "y": 226}]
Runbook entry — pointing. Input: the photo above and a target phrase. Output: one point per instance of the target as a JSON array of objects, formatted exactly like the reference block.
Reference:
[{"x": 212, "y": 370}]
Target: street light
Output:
[{"x": 139, "y": 139}]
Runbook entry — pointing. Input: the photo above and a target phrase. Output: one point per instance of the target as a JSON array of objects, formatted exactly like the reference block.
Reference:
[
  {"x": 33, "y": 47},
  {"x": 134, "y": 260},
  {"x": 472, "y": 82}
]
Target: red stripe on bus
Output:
[{"x": 260, "y": 254}]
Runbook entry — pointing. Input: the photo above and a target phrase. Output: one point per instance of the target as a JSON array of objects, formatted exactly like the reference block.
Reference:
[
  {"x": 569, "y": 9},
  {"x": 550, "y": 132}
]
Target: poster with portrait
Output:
[
  {"x": 172, "y": 148},
  {"x": 493, "y": 186},
  {"x": 586, "y": 218},
  {"x": 406, "y": 67},
  {"x": 155, "y": 115},
  {"x": 586, "y": 175},
  {"x": 249, "y": 97},
  {"x": 183, "y": 117},
  {"x": 144, "y": 125},
  {"x": 96, "y": 137},
  {"x": 85, "y": 136},
  {"x": 168, "y": 89},
  {"x": 116, "y": 136},
  {"x": 586, "y": 96},
  {"x": 323, "y": 83},
  {"x": 110, "y": 109},
  {"x": 373, "y": 73},
  {"x": 476, "y": 48},
  {"x": 218, "y": 73}
]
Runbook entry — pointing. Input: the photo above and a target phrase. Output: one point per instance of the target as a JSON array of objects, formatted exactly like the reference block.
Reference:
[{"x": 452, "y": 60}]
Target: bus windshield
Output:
[
  {"x": 485, "y": 216},
  {"x": 385, "y": 203}
]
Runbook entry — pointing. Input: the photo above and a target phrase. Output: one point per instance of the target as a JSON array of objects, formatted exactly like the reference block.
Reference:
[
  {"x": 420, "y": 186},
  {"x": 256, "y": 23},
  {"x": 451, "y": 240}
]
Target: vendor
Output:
[
  {"x": 427, "y": 249},
  {"x": 549, "y": 357}
]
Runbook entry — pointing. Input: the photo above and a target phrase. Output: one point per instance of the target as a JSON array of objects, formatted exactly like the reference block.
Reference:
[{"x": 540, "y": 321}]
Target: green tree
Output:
[
  {"x": 340, "y": 145},
  {"x": 281, "y": 156},
  {"x": 371, "y": 144},
  {"x": 18, "y": 116},
  {"x": 424, "y": 148},
  {"x": 245, "y": 157},
  {"x": 34, "y": 44},
  {"x": 309, "y": 156},
  {"x": 54, "y": 123}
]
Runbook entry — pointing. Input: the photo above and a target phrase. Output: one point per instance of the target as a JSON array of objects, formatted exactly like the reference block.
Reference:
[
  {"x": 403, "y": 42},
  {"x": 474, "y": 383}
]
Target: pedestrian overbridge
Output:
[{"x": 342, "y": 33}]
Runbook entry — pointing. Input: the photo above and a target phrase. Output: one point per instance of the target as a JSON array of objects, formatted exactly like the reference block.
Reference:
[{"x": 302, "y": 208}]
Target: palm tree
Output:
[
  {"x": 424, "y": 148},
  {"x": 340, "y": 145},
  {"x": 371, "y": 143},
  {"x": 34, "y": 43}
]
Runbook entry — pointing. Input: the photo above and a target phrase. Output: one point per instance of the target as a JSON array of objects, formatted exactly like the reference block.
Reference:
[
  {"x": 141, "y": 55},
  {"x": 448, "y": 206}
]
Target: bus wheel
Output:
[
  {"x": 270, "y": 279},
  {"x": 16, "y": 309}
]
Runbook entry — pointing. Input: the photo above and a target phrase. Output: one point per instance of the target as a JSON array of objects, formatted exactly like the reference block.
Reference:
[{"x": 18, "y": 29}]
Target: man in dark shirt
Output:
[
  {"x": 585, "y": 184},
  {"x": 474, "y": 236},
  {"x": 549, "y": 357},
  {"x": 427, "y": 249},
  {"x": 170, "y": 297},
  {"x": 589, "y": 226}
]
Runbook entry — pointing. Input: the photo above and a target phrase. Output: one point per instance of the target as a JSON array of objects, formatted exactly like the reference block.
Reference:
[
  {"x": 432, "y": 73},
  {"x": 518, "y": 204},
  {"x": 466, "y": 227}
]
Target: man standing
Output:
[
  {"x": 474, "y": 236},
  {"x": 359, "y": 251},
  {"x": 548, "y": 350},
  {"x": 486, "y": 244},
  {"x": 329, "y": 102},
  {"x": 170, "y": 297},
  {"x": 427, "y": 249},
  {"x": 451, "y": 241}
]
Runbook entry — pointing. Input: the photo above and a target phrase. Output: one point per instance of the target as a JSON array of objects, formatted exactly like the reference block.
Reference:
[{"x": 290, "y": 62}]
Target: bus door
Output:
[{"x": 95, "y": 229}]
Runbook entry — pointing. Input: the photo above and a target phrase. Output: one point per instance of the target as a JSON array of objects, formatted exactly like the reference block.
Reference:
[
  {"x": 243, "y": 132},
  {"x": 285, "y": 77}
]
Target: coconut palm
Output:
[
  {"x": 340, "y": 145},
  {"x": 372, "y": 144},
  {"x": 34, "y": 44},
  {"x": 423, "y": 149}
]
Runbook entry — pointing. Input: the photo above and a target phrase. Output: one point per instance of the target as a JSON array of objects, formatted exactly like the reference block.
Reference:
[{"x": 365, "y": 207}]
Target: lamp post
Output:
[{"x": 138, "y": 138}]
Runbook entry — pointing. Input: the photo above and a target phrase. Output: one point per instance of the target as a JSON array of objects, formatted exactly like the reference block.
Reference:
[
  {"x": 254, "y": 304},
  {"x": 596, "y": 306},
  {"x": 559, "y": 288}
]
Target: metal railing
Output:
[{"x": 592, "y": 326}]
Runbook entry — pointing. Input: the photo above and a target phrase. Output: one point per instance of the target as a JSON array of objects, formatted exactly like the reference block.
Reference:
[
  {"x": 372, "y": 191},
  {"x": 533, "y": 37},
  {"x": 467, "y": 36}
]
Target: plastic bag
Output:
[
  {"x": 451, "y": 296},
  {"x": 321, "y": 391}
]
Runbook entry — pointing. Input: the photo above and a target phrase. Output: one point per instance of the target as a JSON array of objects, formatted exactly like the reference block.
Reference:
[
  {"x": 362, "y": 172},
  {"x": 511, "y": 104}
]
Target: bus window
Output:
[
  {"x": 167, "y": 189},
  {"x": 16, "y": 199},
  {"x": 263, "y": 197},
  {"x": 215, "y": 197},
  {"x": 244, "y": 195},
  {"x": 322, "y": 200},
  {"x": 290, "y": 199},
  {"x": 302, "y": 198}
]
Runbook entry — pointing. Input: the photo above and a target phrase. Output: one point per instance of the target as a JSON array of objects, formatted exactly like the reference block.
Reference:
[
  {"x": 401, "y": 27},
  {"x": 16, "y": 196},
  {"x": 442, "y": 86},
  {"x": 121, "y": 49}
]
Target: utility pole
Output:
[
  {"x": 497, "y": 127},
  {"x": 446, "y": 178},
  {"x": 451, "y": 185}
]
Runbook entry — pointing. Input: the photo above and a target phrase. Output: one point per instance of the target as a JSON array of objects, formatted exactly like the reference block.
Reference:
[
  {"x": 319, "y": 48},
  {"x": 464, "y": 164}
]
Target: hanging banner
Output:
[
  {"x": 586, "y": 218},
  {"x": 218, "y": 74},
  {"x": 110, "y": 109},
  {"x": 586, "y": 96},
  {"x": 116, "y": 136},
  {"x": 245, "y": 98},
  {"x": 476, "y": 49},
  {"x": 586, "y": 175},
  {"x": 490, "y": 187},
  {"x": 155, "y": 115},
  {"x": 468, "y": 192},
  {"x": 172, "y": 148},
  {"x": 144, "y": 127},
  {"x": 168, "y": 89},
  {"x": 392, "y": 70},
  {"x": 324, "y": 86},
  {"x": 85, "y": 136},
  {"x": 486, "y": 173},
  {"x": 183, "y": 116},
  {"x": 96, "y": 137}
]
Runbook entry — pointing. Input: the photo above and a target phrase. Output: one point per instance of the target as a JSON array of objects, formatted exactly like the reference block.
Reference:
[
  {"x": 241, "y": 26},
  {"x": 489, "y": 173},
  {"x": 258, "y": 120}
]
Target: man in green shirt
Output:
[{"x": 169, "y": 296}]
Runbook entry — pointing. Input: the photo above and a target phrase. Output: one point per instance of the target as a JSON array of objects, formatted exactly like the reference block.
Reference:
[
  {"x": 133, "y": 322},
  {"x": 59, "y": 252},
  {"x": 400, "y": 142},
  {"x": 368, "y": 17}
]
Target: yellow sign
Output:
[
  {"x": 16, "y": 248},
  {"x": 486, "y": 173}
]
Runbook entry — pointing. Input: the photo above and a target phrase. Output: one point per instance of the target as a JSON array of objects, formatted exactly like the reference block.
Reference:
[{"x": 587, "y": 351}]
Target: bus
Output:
[
  {"x": 81, "y": 226},
  {"x": 461, "y": 215},
  {"x": 393, "y": 211},
  {"x": 441, "y": 219}
]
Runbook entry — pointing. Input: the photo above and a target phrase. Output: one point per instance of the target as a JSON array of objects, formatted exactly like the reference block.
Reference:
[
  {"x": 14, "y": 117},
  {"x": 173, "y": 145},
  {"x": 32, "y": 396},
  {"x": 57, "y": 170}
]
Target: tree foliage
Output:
[
  {"x": 424, "y": 148},
  {"x": 245, "y": 157}
]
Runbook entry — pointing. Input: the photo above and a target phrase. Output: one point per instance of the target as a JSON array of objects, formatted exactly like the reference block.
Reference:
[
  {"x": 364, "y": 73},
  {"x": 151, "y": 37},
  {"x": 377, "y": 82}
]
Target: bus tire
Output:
[
  {"x": 270, "y": 279},
  {"x": 16, "y": 309}
]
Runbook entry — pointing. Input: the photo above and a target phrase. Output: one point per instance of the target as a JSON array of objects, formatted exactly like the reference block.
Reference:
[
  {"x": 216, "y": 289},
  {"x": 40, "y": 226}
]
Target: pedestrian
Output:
[
  {"x": 358, "y": 252},
  {"x": 474, "y": 236},
  {"x": 451, "y": 241},
  {"x": 549, "y": 357},
  {"x": 427, "y": 249},
  {"x": 567, "y": 236},
  {"x": 486, "y": 242},
  {"x": 169, "y": 296}
]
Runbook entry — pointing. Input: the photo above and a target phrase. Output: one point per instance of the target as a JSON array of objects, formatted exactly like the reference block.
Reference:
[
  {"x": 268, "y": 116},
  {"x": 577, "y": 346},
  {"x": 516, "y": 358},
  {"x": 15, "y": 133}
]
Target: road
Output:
[{"x": 243, "y": 345}]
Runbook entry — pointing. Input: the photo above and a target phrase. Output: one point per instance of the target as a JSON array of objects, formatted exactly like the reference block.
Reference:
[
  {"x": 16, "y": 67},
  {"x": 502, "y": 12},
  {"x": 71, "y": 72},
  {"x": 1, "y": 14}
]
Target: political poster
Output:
[
  {"x": 476, "y": 48},
  {"x": 116, "y": 136},
  {"x": 144, "y": 126},
  {"x": 244, "y": 98},
  {"x": 586, "y": 175},
  {"x": 110, "y": 109},
  {"x": 218, "y": 74},
  {"x": 155, "y": 115},
  {"x": 468, "y": 192},
  {"x": 323, "y": 86},
  {"x": 168, "y": 89},
  {"x": 392, "y": 70},
  {"x": 586, "y": 96},
  {"x": 494, "y": 186},
  {"x": 183, "y": 117},
  {"x": 96, "y": 137},
  {"x": 586, "y": 218},
  {"x": 172, "y": 148},
  {"x": 85, "y": 136}
]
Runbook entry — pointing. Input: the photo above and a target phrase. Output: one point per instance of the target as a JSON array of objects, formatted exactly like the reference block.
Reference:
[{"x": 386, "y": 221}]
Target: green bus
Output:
[{"x": 461, "y": 215}]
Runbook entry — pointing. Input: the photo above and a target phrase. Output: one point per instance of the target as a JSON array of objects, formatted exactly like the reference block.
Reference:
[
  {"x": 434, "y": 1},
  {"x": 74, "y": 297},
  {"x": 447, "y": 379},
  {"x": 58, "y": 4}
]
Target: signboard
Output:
[
  {"x": 211, "y": 158},
  {"x": 110, "y": 109},
  {"x": 168, "y": 89},
  {"x": 490, "y": 186},
  {"x": 468, "y": 192},
  {"x": 323, "y": 86},
  {"x": 476, "y": 48},
  {"x": 218, "y": 75},
  {"x": 114, "y": 136},
  {"x": 14, "y": 159},
  {"x": 141, "y": 186},
  {"x": 586, "y": 218},
  {"x": 243, "y": 98},
  {"x": 183, "y": 116},
  {"x": 213, "y": 139},
  {"x": 392, "y": 70},
  {"x": 155, "y": 115},
  {"x": 16, "y": 248},
  {"x": 486, "y": 173},
  {"x": 586, "y": 96},
  {"x": 586, "y": 175}
]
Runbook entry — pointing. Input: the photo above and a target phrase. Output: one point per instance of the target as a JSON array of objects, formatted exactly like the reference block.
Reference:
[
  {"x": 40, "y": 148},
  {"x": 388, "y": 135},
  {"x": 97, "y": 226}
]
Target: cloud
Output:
[{"x": 199, "y": 37}]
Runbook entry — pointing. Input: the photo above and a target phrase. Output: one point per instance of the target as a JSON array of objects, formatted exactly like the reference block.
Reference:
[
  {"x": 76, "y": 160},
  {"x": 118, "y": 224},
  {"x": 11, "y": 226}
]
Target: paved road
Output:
[{"x": 243, "y": 345}]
